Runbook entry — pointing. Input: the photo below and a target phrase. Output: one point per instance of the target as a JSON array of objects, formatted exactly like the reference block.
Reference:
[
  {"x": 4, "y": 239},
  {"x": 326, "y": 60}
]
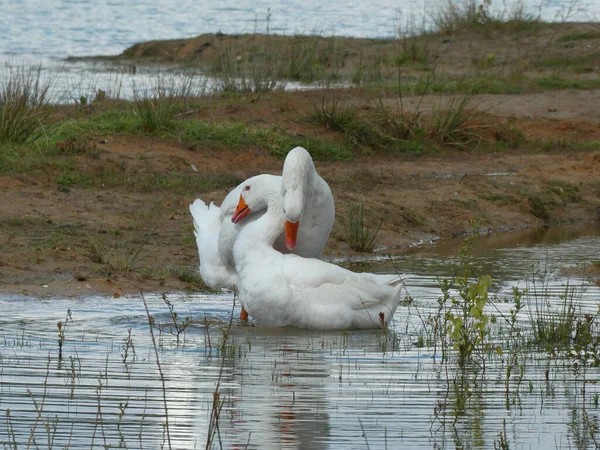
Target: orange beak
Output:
[
  {"x": 241, "y": 211},
  {"x": 291, "y": 232}
]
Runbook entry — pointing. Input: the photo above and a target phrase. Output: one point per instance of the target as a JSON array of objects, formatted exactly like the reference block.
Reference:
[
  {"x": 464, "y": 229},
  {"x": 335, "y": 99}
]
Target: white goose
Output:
[
  {"x": 307, "y": 205},
  {"x": 287, "y": 290},
  {"x": 308, "y": 200},
  {"x": 215, "y": 235}
]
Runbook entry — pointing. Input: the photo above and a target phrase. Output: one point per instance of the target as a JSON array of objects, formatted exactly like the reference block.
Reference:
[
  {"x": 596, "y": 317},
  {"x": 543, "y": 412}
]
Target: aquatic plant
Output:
[
  {"x": 151, "y": 323},
  {"x": 179, "y": 326},
  {"x": 462, "y": 323},
  {"x": 127, "y": 347},
  {"x": 552, "y": 327}
]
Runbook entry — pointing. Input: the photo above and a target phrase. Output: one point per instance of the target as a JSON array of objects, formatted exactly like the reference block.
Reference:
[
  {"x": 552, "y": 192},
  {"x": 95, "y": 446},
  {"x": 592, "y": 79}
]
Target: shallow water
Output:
[{"x": 289, "y": 388}]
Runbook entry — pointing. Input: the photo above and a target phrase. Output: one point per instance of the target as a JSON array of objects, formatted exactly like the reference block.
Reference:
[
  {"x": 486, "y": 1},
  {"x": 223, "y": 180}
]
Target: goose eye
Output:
[{"x": 247, "y": 188}]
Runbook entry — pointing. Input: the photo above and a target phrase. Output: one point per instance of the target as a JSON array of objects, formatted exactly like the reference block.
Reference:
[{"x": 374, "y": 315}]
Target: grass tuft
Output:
[
  {"x": 540, "y": 206},
  {"x": 381, "y": 129},
  {"x": 452, "y": 121},
  {"x": 157, "y": 104},
  {"x": 239, "y": 71},
  {"x": 259, "y": 63},
  {"x": 362, "y": 229},
  {"x": 452, "y": 15},
  {"x": 24, "y": 105},
  {"x": 122, "y": 259},
  {"x": 577, "y": 36}
]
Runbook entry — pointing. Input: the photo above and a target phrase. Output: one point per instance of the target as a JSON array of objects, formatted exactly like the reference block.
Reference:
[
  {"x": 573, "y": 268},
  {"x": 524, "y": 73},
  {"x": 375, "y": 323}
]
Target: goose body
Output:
[{"x": 287, "y": 290}]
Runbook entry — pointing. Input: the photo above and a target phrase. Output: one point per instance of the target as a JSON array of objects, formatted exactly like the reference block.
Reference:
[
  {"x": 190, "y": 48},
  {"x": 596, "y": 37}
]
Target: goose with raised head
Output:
[
  {"x": 287, "y": 290},
  {"x": 308, "y": 205},
  {"x": 308, "y": 199}
]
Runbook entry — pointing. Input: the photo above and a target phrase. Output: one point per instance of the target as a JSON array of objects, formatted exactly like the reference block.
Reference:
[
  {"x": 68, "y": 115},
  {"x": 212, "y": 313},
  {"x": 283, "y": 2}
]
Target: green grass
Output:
[
  {"x": 578, "y": 65},
  {"x": 556, "y": 83},
  {"x": 187, "y": 275},
  {"x": 449, "y": 16},
  {"x": 72, "y": 177},
  {"x": 577, "y": 36},
  {"x": 452, "y": 119},
  {"x": 234, "y": 135},
  {"x": 469, "y": 204},
  {"x": 495, "y": 84},
  {"x": 157, "y": 104},
  {"x": 105, "y": 123},
  {"x": 552, "y": 327},
  {"x": 540, "y": 205},
  {"x": 265, "y": 60},
  {"x": 25, "y": 112},
  {"x": 117, "y": 258},
  {"x": 455, "y": 121},
  {"x": 276, "y": 140},
  {"x": 567, "y": 192},
  {"x": 496, "y": 197},
  {"x": 379, "y": 129},
  {"x": 342, "y": 116},
  {"x": 362, "y": 228}
]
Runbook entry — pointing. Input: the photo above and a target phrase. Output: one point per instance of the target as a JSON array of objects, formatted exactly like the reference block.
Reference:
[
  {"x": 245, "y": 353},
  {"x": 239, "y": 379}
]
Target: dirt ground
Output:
[{"x": 45, "y": 231}]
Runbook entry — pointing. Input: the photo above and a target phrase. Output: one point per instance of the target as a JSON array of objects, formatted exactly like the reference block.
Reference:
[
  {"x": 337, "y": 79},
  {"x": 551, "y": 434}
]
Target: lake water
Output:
[
  {"x": 33, "y": 32},
  {"x": 61, "y": 28},
  {"x": 290, "y": 388}
]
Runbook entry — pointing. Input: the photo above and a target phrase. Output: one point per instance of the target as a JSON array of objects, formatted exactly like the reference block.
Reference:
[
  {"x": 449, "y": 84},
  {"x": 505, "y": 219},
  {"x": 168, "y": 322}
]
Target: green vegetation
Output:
[
  {"x": 261, "y": 63},
  {"x": 24, "y": 105},
  {"x": 450, "y": 16},
  {"x": 362, "y": 228},
  {"x": 277, "y": 141},
  {"x": 119, "y": 259},
  {"x": 540, "y": 205},
  {"x": 454, "y": 121},
  {"x": 555, "y": 83},
  {"x": 156, "y": 105},
  {"x": 577, "y": 36}
]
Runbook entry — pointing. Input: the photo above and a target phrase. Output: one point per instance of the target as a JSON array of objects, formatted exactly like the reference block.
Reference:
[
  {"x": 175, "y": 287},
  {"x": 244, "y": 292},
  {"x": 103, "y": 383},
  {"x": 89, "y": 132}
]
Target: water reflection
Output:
[{"x": 288, "y": 388}]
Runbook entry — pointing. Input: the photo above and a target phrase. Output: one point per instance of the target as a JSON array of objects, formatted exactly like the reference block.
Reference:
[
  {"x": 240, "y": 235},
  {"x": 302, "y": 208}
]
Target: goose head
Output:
[
  {"x": 255, "y": 195},
  {"x": 294, "y": 182}
]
